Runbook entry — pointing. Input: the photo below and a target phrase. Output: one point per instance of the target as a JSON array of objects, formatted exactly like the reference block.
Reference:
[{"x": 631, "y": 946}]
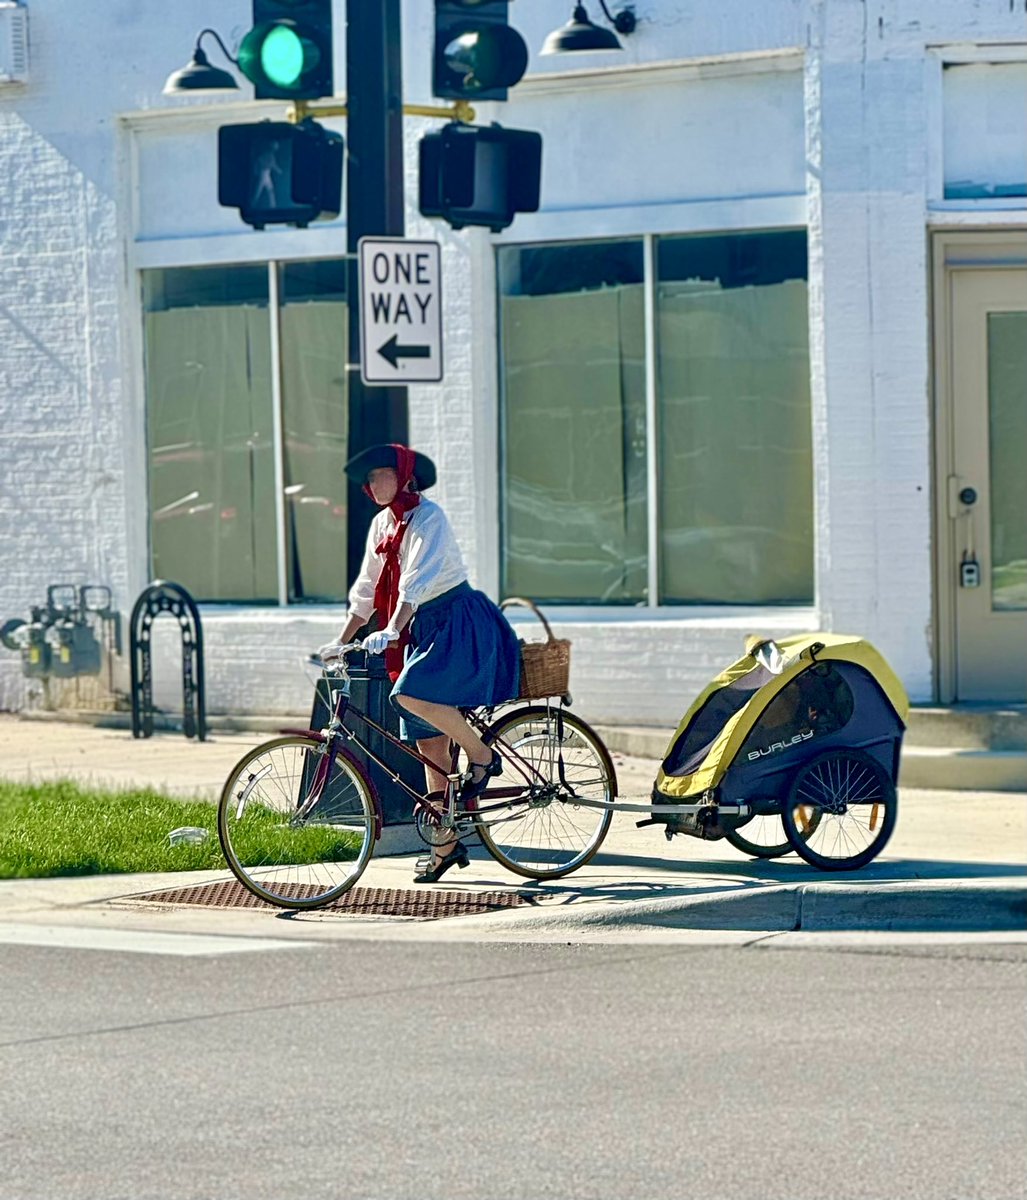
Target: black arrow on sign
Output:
[{"x": 392, "y": 350}]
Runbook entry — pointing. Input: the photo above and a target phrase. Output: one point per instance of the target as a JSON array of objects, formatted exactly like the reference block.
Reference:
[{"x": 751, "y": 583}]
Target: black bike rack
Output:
[{"x": 165, "y": 597}]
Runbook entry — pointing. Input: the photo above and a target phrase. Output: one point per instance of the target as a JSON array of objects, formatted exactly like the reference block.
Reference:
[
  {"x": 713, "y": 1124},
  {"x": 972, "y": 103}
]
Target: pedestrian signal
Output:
[
  {"x": 276, "y": 173},
  {"x": 479, "y": 175}
]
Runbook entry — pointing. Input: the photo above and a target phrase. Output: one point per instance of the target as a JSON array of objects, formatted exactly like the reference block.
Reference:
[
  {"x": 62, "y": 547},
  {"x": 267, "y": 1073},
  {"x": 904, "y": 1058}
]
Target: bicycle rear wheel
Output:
[
  {"x": 286, "y": 845},
  {"x": 556, "y": 760}
]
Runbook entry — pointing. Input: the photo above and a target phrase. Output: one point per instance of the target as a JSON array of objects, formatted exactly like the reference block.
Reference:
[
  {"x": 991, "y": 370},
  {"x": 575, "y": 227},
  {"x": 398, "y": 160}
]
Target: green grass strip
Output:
[{"x": 60, "y": 828}]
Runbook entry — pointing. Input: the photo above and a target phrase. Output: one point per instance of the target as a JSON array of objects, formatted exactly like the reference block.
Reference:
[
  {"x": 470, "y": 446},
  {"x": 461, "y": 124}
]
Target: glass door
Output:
[{"x": 988, "y": 484}]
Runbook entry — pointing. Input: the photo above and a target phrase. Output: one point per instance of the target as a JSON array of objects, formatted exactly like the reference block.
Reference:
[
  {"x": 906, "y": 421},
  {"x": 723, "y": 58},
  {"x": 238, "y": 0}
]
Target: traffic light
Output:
[
  {"x": 477, "y": 55},
  {"x": 287, "y": 55},
  {"x": 479, "y": 175},
  {"x": 276, "y": 173}
]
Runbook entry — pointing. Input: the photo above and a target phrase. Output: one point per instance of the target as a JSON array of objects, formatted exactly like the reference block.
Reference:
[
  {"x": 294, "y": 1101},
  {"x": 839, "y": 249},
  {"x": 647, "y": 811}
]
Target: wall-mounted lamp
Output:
[
  {"x": 581, "y": 34},
  {"x": 198, "y": 75}
]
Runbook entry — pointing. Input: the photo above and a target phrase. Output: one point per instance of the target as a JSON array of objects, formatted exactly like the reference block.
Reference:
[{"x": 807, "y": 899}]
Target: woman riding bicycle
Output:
[{"x": 446, "y": 644}]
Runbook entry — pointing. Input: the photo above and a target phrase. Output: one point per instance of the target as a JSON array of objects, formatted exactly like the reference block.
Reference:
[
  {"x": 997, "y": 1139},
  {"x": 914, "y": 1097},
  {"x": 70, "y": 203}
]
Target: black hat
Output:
[{"x": 384, "y": 455}]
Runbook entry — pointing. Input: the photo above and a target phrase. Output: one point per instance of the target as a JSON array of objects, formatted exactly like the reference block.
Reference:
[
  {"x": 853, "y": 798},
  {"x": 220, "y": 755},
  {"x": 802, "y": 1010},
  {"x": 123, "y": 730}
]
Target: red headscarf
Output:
[{"x": 386, "y": 592}]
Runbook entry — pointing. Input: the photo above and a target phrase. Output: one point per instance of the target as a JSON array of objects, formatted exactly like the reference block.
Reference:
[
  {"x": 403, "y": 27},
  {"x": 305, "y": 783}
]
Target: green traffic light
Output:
[
  {"x": 285, "y": 59},
  {"x": 282, "y": 56}
]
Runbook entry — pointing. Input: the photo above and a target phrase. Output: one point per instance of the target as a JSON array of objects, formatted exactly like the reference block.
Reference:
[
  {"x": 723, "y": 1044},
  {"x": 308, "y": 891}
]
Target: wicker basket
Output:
[{"x": 545, "y": 666}]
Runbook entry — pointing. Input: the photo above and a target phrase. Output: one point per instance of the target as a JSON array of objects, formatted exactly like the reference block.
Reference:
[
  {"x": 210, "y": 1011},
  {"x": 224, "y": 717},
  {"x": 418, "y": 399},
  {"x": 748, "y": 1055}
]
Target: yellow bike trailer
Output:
[{"x": 803, "y": 732}]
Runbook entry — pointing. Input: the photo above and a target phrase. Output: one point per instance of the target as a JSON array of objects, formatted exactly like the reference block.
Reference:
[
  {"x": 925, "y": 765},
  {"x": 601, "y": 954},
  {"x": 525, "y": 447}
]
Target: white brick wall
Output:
[
  {"x": 869, "y": 338},
  {"x": 66, "y": 394},
  {"x": 71, "y": 405},
  {"x": 62, "y": 511}
]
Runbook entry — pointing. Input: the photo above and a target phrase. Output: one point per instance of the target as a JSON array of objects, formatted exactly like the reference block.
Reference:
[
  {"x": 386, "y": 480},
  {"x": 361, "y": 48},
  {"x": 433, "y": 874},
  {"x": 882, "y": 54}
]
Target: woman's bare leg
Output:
[
  {"x": 439, "y": 750},
  {"x": 454, "y": 728},
  {"x": 449, "y": 721}
]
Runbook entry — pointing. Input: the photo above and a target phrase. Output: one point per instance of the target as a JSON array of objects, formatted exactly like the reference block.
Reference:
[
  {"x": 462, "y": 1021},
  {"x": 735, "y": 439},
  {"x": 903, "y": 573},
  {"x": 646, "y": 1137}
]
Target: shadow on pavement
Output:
[
  {"x": 778, "y": 871},
  {"x": 710, "y": 879}
]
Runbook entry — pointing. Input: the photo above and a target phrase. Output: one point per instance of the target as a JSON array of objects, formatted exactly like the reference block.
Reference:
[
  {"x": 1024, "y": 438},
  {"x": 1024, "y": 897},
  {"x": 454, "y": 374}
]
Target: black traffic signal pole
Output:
[{"x": 374, "y": 208}]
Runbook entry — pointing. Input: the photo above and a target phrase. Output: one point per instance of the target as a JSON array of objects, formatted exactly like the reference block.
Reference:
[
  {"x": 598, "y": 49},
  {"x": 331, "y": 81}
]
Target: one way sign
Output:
[{"x": 400, "y": 311}]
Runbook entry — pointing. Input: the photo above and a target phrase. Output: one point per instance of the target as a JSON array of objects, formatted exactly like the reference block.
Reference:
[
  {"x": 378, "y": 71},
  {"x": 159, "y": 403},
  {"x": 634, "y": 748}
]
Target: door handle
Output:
[{"x": 969, "y": 567}]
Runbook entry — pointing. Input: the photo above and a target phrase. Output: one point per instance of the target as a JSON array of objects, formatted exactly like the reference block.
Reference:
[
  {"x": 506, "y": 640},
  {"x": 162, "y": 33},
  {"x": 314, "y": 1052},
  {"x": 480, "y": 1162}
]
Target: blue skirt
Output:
[{"x": 462, "y": 652}]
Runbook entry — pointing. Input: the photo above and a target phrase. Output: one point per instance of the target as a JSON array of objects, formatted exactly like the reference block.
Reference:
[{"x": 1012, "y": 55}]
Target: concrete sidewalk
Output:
[{"x": 957, "y": 861}]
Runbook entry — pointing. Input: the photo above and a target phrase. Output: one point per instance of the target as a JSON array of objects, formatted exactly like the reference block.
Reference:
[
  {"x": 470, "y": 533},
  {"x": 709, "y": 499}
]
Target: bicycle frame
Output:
[{"x": 337, "y": 732}]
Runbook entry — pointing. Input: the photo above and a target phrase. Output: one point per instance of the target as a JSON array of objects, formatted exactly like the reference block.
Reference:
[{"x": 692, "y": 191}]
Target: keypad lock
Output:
[{"x": 970, "y": 573}]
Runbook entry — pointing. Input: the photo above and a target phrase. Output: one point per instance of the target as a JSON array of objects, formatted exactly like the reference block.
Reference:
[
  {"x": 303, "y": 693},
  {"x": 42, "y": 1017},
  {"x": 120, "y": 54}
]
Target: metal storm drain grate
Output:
[{"x": 358, "y": 902}]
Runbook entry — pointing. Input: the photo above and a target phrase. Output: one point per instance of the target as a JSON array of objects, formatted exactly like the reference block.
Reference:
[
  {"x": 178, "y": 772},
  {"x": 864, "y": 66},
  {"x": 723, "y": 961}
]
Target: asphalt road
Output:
[{"x": 367, "y": 1069}]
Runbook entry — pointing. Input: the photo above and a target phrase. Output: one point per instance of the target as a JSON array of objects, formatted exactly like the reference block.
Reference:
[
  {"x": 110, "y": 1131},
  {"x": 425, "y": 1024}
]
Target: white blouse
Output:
[{"x": 430, "y": 561}]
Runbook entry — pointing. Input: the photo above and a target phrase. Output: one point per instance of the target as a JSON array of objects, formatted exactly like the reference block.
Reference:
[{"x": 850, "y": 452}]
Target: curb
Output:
[
  {"x": 959, "y": 770},
  {"x": 970, "y": 906},
  {"x": 926, "y": 906}
]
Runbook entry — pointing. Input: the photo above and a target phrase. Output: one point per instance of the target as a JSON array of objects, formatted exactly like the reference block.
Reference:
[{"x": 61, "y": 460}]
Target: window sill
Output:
[
  {"x": 226, "y": 614},
  {"x": 800, "y": 618}
]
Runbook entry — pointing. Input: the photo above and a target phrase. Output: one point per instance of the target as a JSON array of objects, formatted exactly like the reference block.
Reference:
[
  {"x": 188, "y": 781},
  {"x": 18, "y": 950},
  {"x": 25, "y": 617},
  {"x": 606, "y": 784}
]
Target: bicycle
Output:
[{"x": 299, "y": 815}]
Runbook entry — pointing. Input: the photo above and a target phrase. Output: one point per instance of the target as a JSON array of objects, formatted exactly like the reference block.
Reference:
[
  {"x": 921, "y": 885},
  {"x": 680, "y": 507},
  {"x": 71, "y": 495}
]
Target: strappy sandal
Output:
[
  {"x": 432, "y": 873},
  {"x": 425, "y": 862},
  {"x": 476, "y": 778}
]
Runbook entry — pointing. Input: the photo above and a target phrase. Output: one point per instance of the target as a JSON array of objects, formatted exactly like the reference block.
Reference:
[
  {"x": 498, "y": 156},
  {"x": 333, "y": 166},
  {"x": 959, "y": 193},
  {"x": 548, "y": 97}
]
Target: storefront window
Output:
[
  {"x": 214, "y": 450},
  {"x": 731, "y": 426},
  {"x": 735, "y": 447},
  {"x": 573, "y": 427},
  {"x": 313, "y": 323}
]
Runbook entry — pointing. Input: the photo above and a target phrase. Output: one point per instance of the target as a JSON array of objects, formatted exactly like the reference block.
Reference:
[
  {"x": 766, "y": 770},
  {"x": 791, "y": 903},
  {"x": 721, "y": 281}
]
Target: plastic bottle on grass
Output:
[{"x": 188, "y": 835}]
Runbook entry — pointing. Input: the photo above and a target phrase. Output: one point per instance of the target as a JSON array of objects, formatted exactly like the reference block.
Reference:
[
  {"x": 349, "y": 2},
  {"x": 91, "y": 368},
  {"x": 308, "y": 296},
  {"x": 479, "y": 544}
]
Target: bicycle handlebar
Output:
[
  {"x": 337, "y": 663},
  {"x": 336, "y": 666}
]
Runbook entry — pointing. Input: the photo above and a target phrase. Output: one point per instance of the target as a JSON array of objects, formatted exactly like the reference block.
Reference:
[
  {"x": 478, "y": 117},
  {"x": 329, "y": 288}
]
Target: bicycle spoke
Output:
[
  {"x": 288, "y": 859},
  {"x": 854, "y": 800},
  {"x": 542, "y": 833}
]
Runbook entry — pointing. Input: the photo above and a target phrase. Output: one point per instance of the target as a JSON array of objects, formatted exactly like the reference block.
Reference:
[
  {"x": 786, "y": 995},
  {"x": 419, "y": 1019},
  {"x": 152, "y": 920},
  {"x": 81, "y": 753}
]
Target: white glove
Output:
[
  {"x": 375, "y": 643},
  {"x": 329, "y": 651}
]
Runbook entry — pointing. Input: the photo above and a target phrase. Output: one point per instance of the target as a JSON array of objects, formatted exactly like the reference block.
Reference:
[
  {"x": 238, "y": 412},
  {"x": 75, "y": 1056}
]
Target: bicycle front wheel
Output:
[
  {"x": 555, "y": 761},
  {"x": 287, "y": 840}
]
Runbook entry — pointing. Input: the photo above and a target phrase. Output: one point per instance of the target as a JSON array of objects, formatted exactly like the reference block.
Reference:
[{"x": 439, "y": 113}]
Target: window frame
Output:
[
  {"x": 273, "y": 267},
  {"x": 648, "y": 609}
]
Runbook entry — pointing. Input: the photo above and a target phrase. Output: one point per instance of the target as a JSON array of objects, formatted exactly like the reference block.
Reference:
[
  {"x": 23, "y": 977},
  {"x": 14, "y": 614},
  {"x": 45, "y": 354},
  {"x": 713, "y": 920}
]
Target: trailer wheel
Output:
[
  {"x": 856, "y": 803},
  {"x": 762, "y": 836}
]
